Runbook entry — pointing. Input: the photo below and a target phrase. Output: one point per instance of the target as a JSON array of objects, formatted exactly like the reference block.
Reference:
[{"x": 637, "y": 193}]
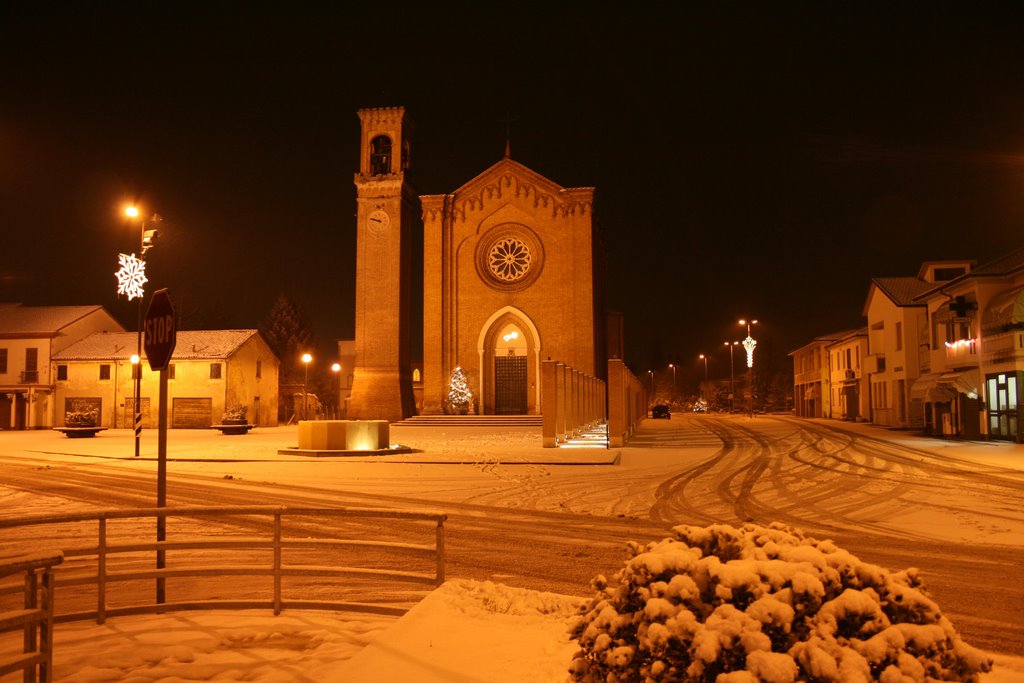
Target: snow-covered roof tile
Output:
[
  {"x": 190, "y": 345},
  {"x": 16, "y": 319},
  {"x": 902, "y": 290}
]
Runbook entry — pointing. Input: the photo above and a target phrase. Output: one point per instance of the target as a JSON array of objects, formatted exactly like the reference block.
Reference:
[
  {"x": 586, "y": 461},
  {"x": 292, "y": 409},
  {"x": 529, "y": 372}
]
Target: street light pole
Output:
[
  {"x": 336, "y": 369},
  {"x": 306, "y": 358},
  {"x": 146, "y": 240},
  {"x": 748, "y": 345},
  {"x": 651, "y": 373},
  {"x": 672, "y": 365},
  {"x": 732, "y": 377},
  {"x": 704, "y": 386}
]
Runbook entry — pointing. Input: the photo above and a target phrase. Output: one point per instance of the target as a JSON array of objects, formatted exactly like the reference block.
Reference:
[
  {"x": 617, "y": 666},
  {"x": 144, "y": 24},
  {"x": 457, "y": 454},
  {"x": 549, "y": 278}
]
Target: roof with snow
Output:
[
  {"x": 902, "y": 290},
  {"x": 191, "y": 345},
  {"x": 18, "y": 319},
  {"x": 1004, "y": 265}
]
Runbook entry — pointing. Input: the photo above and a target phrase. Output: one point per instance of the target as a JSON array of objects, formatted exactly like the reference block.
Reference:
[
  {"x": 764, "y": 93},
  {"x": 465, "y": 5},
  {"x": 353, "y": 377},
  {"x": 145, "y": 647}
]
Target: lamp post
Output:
[
  {"x": 732, "y": 376},
  {"x": 336, "y": 369},
  {"x": 672, "y": 365},
  {"x": 131, "y": 278},
  {"x": 137, "y": 394},
  {"x": 748, "y": 345},
  {"x": 306, "y": 359},
  {"x": 704, "y": 386},
  {"x": 651, "y": 373}
]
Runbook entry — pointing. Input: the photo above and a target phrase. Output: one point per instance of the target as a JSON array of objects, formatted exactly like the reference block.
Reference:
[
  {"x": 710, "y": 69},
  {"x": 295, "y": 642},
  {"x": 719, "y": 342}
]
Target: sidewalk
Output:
[{"x": 992, "y": 452}]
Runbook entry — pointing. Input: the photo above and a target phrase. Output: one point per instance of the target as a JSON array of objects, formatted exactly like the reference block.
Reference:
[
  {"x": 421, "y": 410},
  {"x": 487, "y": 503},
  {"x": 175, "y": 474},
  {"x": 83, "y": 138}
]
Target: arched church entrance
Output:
[
  {"x": 510, "y": 372},
  {"x": 508, "y": 365}
]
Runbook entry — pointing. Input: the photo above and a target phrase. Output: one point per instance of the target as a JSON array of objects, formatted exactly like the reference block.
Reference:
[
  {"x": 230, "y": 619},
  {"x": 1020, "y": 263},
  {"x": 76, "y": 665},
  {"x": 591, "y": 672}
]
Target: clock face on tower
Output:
[{"x": 378, "y": 222}]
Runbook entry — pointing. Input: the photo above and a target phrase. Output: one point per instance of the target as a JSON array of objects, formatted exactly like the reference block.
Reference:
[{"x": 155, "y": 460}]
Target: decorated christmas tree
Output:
[{"x": 460, "y": 398}]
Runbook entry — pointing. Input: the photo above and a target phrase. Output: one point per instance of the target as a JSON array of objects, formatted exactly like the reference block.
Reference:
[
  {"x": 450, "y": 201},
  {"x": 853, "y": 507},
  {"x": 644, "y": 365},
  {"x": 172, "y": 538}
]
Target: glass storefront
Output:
[{"x": 1001, "y": 395}]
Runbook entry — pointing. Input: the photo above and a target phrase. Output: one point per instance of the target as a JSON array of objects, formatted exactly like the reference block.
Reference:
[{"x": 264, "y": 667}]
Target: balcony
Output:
[
  {"x": 961, "y": 352},
  {"x": 1007, "y": 347},
  {"x": 29, "y": 377},
  {"x": 874, "y": 363}
]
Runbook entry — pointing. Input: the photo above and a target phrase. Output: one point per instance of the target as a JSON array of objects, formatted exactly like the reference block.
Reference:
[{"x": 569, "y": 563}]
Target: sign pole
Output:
[
  {"x": 161, "y": 337},
  {"x": 161, "y": 486}
]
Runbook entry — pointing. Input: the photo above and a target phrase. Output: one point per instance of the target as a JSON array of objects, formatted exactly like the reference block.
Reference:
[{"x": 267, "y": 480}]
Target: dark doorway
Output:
[{"x": 510, "y": 385}]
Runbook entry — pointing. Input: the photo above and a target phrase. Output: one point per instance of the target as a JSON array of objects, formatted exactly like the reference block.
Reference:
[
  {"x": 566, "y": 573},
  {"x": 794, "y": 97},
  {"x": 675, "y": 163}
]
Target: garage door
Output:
[{"x": 192, "y": 413}]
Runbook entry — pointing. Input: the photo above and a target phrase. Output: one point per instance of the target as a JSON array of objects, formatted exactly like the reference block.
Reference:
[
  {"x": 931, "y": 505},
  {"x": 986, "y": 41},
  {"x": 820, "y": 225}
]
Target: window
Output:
[
  {"x": 899, "y": 336},
  {"x": 214, "y": 370},
  {"x": 104, "y": 371},
  {"x": 170, "y": 371},
  {"x": 31, "y": 360},
  {"x": 416, "y": 375},
  {"x": 62, "y": 373},
  {"x": 259, "y": 369},
  {"x": 380, "y": 155},
  {"x": 3, "y": 361}
]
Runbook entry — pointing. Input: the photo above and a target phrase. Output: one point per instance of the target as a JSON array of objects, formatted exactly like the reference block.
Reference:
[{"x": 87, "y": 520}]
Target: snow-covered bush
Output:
[{"x": 763, "y": 604}]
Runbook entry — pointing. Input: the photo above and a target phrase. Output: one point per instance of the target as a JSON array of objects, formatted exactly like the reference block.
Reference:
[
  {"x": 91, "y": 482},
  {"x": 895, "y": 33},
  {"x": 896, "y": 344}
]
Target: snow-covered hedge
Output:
[{"x": 763, "y": 604}]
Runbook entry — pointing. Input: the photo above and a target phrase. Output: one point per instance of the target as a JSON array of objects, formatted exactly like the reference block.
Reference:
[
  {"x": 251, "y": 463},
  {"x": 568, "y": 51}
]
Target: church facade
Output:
[{"x": 513, "y": 274}]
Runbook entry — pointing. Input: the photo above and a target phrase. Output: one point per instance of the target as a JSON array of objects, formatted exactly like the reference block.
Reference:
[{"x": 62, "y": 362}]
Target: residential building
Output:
[
  {"x": 210, "y": 371},
  {"x": 811, "y": 377},
  {"x": 29, "y": 337},
  {"x": 849, "y": 397},
  {"x": 976, "y": 339},
  {"x": 898, "y": 344}
]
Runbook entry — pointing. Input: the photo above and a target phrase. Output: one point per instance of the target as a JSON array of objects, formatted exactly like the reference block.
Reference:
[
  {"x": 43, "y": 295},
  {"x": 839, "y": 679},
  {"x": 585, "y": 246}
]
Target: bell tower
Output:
[{"x": 387, "y": 206}]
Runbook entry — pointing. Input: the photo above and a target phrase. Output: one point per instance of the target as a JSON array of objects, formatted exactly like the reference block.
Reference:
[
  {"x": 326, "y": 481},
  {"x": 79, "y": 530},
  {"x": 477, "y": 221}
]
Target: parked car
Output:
[{"x": 661, "y": 412}]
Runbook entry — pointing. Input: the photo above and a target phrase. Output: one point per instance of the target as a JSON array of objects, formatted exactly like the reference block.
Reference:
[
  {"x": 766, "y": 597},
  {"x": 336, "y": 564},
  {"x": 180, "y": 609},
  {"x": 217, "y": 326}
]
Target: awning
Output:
[
  {"x": 1004, "y": 312},
  {"x": 928, "y": 388},
  {"x": 964, "y": 381}
]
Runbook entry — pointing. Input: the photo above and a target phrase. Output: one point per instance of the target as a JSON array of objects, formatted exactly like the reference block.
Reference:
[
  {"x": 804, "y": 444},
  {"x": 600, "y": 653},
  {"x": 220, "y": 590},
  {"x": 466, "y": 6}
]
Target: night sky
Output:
[{"x": 750, "y": 160}]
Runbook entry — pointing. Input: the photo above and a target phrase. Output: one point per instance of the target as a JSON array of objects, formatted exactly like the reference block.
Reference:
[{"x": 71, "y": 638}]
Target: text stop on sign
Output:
[{"x": 159, "y": 329}]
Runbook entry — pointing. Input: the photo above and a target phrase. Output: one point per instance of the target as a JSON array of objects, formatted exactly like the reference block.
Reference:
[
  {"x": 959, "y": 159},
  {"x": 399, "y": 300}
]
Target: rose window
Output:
[{"x": 509, "y": 259}]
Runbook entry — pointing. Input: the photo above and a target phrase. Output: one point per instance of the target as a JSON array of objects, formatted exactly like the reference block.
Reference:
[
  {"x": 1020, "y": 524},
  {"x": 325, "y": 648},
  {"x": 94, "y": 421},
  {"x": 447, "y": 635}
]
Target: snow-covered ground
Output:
[{"x": 464, "y": 631}]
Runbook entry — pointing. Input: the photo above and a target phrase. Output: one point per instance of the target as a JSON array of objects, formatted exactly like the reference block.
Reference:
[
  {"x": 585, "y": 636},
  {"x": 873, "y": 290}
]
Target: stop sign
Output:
[{"x": 160, "y": 332}]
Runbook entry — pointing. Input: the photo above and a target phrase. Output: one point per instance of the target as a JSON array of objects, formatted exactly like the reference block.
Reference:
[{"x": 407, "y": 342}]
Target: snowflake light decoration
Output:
[
  {"x": 131, "y": 277},
  {"x": 748, "y": 344}
]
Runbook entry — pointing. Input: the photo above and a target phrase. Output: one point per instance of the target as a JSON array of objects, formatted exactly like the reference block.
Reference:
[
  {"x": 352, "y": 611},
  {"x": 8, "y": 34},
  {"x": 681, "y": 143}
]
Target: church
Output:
[{"x": 513, "y": 274}]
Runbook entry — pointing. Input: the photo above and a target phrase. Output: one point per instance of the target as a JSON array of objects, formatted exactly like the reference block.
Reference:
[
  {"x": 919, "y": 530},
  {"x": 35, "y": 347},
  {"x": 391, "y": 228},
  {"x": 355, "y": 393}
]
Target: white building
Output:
[{"x": 29, "y": 337}]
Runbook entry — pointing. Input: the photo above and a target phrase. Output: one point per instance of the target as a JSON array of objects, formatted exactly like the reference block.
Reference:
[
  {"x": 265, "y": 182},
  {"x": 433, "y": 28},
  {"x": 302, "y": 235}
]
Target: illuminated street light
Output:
[
  {"x": 651, "y": 373},
  {"x": 306, "y": 359},
  {"x": 702, "y": 389},
  {"x": 748, "y": 345},
  {"x": 131, "y": 277},
  {"x": 336, "y": 369},
  {"x": 672, "y": 365},
  {"x": 732, "y": 375}
]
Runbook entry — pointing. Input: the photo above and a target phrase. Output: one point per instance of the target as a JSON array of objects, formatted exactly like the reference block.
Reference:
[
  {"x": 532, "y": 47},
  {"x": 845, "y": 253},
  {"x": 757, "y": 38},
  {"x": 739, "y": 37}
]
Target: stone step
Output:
[{"x": 472, "y": 421}]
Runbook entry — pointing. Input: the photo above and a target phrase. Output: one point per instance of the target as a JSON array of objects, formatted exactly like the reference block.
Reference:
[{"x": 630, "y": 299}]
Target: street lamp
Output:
[
  {"x": 136, "y": 408},
  {"x": 672, "y": 365},
  {"x": 306, "y": 359},
  {"x": 336, "y": 369},
  {"x": 732, "y": 375},
  {"x": 748, "y": 345},
  {"x": 704, "y": 387},
  {"x": 131, "y": 277},
  {"x": 651, "y": 373}
]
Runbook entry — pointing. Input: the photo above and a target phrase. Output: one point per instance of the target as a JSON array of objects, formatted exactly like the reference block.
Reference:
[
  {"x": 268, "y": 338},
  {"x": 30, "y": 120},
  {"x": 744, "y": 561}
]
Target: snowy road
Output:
[{"x": 538, "y": 524}]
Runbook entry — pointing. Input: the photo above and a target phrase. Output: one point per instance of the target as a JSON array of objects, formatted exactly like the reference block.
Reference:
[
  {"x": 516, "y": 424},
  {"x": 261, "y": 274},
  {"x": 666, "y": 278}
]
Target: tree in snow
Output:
[
  {"x": 288, "y": 332},
  {"x": 460, "y": 398},
  {"x": 763, "y": 604}
]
